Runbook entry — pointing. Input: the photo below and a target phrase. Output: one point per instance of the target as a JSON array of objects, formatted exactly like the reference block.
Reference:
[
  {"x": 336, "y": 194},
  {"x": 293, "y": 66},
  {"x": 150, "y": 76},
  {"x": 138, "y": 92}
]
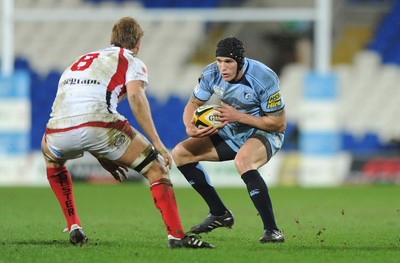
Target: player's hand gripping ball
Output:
[{"x": 204, "y": 116}]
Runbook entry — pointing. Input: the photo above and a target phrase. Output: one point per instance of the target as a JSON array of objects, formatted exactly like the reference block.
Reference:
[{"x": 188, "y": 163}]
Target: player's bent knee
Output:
[
  {"x": 158, "y": 167},
  {"x": 241, "y": 165},
  {"x": 156, "y": 171},
  {"x": 178, "y": 155},
  {"x": 175, "y": 151}
]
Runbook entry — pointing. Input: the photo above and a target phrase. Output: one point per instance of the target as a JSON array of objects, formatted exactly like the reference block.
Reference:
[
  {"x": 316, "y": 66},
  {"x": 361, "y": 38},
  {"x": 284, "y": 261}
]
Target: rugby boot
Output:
[
  {"x": 77, "y": 236},
  {"x": 212, "y": 222},
  {"x": 272, "y": 236},
  {"x": 189, "y": 241}
]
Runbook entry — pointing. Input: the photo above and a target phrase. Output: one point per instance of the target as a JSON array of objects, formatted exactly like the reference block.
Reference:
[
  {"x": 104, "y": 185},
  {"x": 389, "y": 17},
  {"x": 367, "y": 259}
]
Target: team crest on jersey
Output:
[
  {"x": 274, "y": 100},
  {"x": 119, "y": 140},
  {"x": 219, "y": 91},
  {"x": 247, "y": 96}
]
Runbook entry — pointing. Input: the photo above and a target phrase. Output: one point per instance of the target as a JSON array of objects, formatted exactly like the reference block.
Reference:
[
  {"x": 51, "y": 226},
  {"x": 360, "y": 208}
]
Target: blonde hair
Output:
[{"x": 126, "y": 33}]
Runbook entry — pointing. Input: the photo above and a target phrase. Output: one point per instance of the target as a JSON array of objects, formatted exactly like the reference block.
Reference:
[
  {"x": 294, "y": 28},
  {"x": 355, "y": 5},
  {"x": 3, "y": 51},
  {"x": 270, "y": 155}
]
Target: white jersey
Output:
[{"x": 90, "y": 89}]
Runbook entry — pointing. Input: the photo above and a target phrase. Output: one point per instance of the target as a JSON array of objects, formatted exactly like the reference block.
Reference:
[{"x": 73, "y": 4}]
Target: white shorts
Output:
[{"x": 103, "y": 140}]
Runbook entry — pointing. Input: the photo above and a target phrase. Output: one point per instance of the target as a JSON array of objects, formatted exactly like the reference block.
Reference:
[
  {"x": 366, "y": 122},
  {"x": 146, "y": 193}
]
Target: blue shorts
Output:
[{"x": 228, "y": 141}]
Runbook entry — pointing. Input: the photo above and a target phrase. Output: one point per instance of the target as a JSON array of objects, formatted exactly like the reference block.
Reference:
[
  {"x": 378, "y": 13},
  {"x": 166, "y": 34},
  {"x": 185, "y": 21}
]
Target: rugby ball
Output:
[{"x": 204, "y": 116}]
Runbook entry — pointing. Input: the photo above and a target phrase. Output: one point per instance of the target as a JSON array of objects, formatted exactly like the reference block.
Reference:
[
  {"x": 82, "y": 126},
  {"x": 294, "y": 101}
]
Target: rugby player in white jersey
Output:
[
  {"x": 252, "y": 131},
  {"x": 84, "y": 118}
]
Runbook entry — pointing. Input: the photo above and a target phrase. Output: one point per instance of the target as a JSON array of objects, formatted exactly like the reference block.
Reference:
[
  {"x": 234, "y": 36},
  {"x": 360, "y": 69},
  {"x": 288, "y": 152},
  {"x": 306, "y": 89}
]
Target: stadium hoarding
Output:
[
  {"x": 15, "y": 126},
  {"x": 87, "y": 169},
  {"x": 282, "y": 170},
  {"x": 319, "y": 131},
  {"x": 382, "y": 168}
]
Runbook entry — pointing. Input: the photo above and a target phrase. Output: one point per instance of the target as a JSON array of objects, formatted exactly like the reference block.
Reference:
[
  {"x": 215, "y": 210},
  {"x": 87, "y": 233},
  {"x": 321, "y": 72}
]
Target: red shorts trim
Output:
[{"x": 123, "y": 126}]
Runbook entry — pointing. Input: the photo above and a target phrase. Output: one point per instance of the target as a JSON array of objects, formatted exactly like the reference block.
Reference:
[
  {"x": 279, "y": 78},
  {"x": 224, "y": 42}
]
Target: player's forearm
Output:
[
  {"x": 188, "y": 113},
  {"x": 270, "y": 123},
  {"x": 141, "y": 110}
]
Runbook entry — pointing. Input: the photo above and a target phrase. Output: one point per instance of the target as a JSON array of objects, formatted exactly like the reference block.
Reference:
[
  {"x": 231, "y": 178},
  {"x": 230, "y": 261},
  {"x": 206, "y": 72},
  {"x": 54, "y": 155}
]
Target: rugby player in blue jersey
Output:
[{"x": 252, "y": 131}]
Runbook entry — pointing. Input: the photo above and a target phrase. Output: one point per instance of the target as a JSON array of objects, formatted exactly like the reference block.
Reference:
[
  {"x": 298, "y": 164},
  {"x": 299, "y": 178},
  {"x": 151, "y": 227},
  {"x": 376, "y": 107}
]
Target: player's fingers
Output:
[
  {"x": 167, "y": 159},
  {"x": 204, "y": 130},
  {"x": 116, "y": 176},
  {"x": 169, "y": 164},
  {"x": 225, "y": 106},
  {"x": 212, "y": 130},
  {"x": 165, "y": 155},
  {"x": 222, "y": 125},
  {"x": 122, "y": 172}
]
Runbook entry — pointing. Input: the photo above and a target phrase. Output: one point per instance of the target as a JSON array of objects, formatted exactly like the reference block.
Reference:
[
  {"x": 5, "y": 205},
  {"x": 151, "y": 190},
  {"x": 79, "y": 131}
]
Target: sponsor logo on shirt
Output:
[
  {"x": 74, "y": 81},
  {"x": 274, "y": 100},
  {"x": 142, "y": 74}
]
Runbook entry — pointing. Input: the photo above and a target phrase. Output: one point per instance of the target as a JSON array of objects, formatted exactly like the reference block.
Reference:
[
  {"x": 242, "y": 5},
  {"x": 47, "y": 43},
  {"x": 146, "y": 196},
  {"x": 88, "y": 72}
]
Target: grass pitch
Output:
[{"x": 344, "y": 224}]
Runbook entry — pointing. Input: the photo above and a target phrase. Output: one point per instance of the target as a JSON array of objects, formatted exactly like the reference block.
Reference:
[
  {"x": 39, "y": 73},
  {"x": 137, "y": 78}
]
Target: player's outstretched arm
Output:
[{"x": 141, "y": 110}]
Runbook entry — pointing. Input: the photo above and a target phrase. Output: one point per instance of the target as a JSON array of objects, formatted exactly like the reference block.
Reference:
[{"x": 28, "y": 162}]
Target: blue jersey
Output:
[{"x": 256, "y": 93}]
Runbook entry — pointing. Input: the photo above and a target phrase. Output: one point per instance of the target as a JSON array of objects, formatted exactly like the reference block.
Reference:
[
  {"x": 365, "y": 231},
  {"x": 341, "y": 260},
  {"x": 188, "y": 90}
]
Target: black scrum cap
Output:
[{"x": 231, "y": 47}]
